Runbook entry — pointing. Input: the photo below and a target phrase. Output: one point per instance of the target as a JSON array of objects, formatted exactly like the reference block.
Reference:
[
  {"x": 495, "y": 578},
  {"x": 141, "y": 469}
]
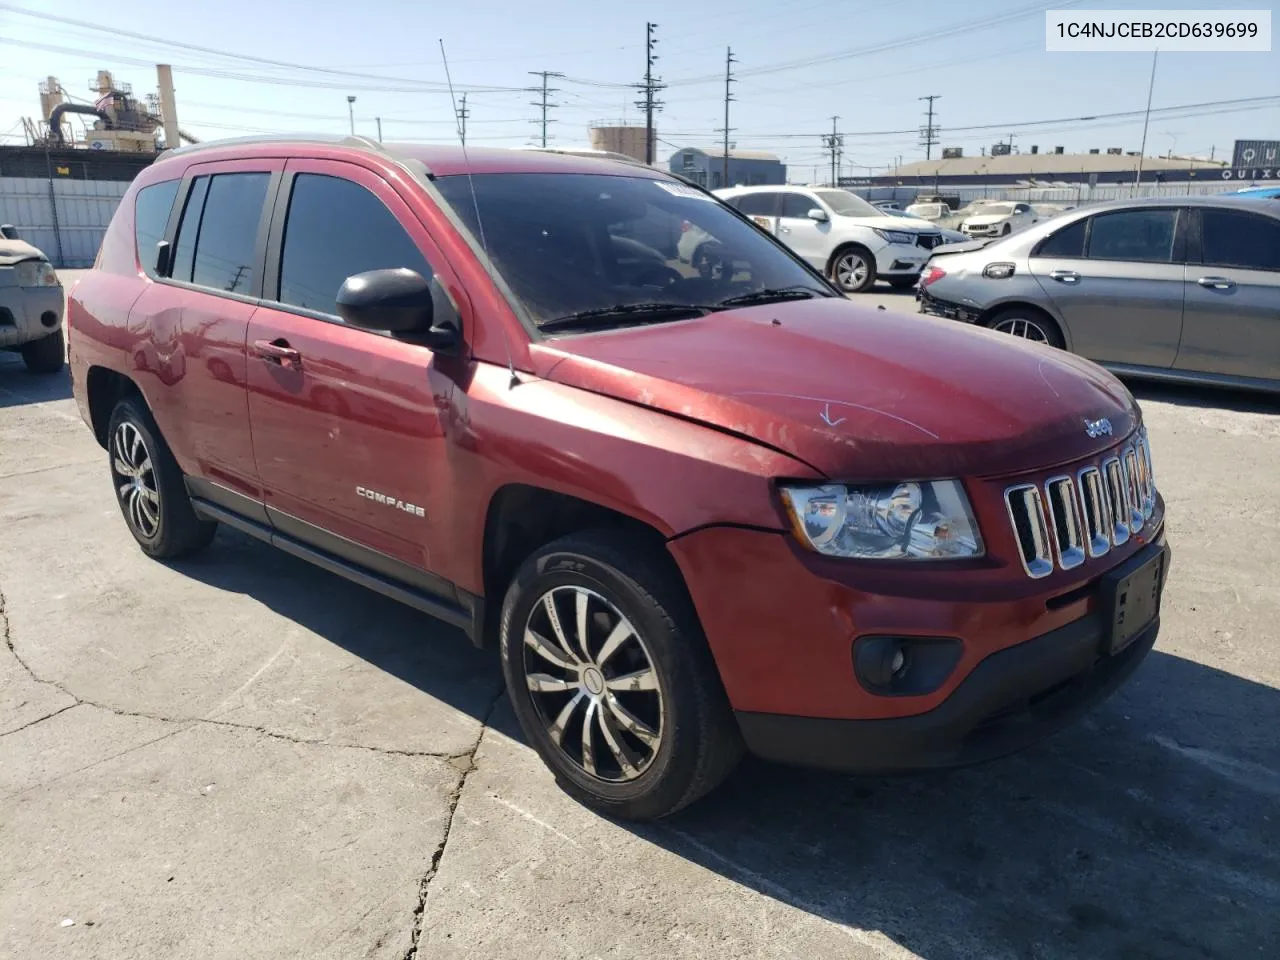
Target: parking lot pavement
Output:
[{"x": 240, "y": 756}]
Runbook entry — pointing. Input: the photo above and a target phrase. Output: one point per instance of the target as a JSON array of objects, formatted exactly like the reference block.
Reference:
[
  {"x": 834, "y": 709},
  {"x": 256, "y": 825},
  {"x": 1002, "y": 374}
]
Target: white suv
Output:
[{"x": 840, "y": 233}]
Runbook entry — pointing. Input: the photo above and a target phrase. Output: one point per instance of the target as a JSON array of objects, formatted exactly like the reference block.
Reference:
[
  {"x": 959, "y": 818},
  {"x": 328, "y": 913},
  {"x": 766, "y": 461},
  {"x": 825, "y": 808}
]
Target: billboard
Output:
[{"x": 1254, "y": 160}]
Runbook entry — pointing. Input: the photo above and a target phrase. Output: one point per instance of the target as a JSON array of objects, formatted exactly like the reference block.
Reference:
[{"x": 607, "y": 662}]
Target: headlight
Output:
[
  {"x": 35, "y": 273},
  {"x": 894, "y": 236},
  {"x": 930, "y": 520}
]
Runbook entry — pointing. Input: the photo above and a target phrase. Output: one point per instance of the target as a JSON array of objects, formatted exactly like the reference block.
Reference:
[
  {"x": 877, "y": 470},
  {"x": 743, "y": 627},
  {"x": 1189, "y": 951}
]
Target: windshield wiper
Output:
[
  {"x": 771, "y": 295},
  {"x": 626, "y": 313}
]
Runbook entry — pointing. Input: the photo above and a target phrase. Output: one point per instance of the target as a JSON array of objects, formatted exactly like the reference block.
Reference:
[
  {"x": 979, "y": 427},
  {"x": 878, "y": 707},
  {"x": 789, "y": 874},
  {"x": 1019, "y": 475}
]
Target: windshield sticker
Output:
[{"x": 681, "y": 190}]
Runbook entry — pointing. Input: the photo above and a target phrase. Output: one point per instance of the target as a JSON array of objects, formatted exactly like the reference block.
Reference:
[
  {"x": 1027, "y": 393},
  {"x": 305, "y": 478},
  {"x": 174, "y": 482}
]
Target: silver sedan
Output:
[{"x": 1182, "y": 289}]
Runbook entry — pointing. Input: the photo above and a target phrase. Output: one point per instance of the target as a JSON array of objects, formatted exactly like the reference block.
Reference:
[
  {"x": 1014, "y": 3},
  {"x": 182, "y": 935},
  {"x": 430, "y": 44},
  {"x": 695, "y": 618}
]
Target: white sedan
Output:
[{"x": 998, "y": 219}]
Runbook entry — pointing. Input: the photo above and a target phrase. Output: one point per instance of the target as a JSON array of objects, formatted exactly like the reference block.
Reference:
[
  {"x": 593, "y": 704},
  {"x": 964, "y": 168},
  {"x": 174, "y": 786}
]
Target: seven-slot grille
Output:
[{"x": 1070, "y": 518}]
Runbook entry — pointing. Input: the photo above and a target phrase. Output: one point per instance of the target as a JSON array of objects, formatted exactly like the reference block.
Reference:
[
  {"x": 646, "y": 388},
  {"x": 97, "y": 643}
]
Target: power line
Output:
[
  {"x": 929, "y": 133},
  {"x": 834, "y": 142},
  {"x": 729, "y": 61},
  {"x": 650, "y": 104},
  {"x": 545, "y": 103}
]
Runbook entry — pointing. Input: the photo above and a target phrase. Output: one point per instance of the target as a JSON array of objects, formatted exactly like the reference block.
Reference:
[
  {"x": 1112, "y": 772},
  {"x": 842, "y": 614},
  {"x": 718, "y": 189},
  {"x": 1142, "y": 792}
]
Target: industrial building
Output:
[
  {"x": 62, "y": 187},
  {"x": 747, "y": 168},
  {"x": 619, "y": 136},
  {"x": 1034, "y": 168}
]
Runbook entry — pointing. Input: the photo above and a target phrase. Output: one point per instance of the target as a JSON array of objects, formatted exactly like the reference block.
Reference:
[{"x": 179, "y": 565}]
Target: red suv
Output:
[{"x": 696, "y": 510}]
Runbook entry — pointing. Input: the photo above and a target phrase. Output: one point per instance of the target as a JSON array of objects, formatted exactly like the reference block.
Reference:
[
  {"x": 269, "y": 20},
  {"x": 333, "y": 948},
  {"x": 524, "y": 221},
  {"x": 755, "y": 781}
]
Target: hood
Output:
[
  {"x": 15, "y": 251},
  {"x": 888, "y": 222},
  {"x": 857, "y": 394}
]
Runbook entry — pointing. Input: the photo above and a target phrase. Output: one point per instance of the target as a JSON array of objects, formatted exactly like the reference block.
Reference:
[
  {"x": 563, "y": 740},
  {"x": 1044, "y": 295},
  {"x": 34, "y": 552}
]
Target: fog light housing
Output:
[{"x": 904, "y": 666}]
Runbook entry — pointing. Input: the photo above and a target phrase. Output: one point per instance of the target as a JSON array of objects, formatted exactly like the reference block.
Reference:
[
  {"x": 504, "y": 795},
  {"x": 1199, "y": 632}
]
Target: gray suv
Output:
[
  {"x": 31, "y": 304},
  {"x": 1183, "y": 289}
]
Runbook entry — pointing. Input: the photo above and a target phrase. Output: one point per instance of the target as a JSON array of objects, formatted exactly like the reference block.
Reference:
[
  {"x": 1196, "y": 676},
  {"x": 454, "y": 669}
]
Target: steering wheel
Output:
[{"x": 657, "y": 275}]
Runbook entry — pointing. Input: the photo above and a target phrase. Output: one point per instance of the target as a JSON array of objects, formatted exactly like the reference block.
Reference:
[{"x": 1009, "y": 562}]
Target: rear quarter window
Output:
[{"x": 150, "y": 217}]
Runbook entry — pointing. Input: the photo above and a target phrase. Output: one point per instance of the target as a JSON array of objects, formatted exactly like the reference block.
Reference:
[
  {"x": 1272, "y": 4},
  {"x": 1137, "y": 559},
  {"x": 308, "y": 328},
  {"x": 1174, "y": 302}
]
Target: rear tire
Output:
[
  {"x": 853, "y": 269},
  {"x": 149, "y": 486},
  {"x": 636, "y": 727},
  {"x": 1028, "y": 323},
  {"x": 46, "y": 355}
]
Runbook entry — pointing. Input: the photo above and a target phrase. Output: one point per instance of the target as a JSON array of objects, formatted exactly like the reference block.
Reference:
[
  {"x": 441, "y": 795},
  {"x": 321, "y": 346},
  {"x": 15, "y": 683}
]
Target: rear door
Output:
[
  {"x": 809, "y": 238},
  {"x": 198, "y": 314},
  {"x": 762, "y": 207},
  {"x": 347, "y": 422},
  {"x": 1116, "y": 281},
  {"x": 1232, "y": 323}
]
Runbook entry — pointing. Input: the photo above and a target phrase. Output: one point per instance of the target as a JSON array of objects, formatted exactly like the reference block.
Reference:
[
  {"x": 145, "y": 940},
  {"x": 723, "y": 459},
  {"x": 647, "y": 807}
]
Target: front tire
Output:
[
  {"x": 853, "y": 269},
  {"x": 46, "y": 355},
  {"x": 149, "y": 486},
  {"x": 611, "y": 679}
]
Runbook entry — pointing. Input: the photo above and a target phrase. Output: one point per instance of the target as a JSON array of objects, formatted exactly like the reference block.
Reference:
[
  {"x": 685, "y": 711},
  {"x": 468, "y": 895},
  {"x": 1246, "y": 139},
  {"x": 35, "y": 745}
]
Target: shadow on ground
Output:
[
  {"x": 1239, "y": 401},
  {"x": 18, "y": 387},
  {"x": 1151, "y": 830}
]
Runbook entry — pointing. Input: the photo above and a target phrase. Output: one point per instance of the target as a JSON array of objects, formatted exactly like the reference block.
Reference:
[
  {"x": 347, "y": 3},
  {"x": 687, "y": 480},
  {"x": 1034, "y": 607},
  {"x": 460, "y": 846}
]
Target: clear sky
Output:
[{"x": 867, "y": 61}]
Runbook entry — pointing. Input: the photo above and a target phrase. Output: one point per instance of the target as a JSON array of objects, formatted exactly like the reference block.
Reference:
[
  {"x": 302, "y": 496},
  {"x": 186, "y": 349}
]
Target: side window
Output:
[
  {"x": 150, "y": 216},
  {"x": 337, "y": 228},
  {"x": 1067, "y": 242},
  {"x": 797, "y": 205},
  {"x": 1021, "y": 208},
  {"x": 1240, "y": 240},
  {"x": 758, "y": 204},
  {"x": 229, "y": 232},
  {"x": 1144, "y": 236},
  {"x": 184, "y": 253}
]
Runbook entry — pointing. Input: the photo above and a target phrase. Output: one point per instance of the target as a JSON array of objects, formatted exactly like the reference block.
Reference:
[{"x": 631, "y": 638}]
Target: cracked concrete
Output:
[{"x": 241, "y": 756}]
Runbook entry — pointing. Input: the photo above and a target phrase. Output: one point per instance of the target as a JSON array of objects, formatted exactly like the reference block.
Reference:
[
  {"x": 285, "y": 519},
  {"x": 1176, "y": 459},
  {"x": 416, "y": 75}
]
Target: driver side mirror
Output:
[
  {"x": 9, "y": 232},
  {"x": 817, "y": 213},
  {"x": 403, "y": 303}
]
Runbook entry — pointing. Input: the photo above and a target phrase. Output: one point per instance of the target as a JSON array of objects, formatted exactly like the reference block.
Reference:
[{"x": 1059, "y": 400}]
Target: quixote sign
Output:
[{"x": 1254, "y": 160}]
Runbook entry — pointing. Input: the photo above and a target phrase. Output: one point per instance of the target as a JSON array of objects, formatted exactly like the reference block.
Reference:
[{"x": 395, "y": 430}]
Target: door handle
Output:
[
  {"x": 1217, "y": 283},
  {"x": 277, "y": 351},
  {"x": 1064, "y": 276},
  {"x": 782, "y": 229}
]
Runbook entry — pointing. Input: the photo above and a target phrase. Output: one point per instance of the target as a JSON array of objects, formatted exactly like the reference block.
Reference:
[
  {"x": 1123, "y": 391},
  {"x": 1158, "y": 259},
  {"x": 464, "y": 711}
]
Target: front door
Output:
[
  {"x": 807, "y": 237},
  {"x": 1116, "y": 280},
  {"x": 347, "y": 425},
  {"x": 1232, "y": 324},
  {"x": 761, "y": 206}
]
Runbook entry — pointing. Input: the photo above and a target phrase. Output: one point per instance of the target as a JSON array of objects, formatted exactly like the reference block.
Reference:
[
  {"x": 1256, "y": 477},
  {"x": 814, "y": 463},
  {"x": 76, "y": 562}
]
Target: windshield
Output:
[
  {"x": 616, "y": 247},
  {"x": 847, "y": 204},
  {"x": 994, "y": 210}
]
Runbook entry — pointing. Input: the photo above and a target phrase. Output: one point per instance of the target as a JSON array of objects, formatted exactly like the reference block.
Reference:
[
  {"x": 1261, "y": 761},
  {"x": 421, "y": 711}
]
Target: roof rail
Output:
[{"x": 342, "y": 140}]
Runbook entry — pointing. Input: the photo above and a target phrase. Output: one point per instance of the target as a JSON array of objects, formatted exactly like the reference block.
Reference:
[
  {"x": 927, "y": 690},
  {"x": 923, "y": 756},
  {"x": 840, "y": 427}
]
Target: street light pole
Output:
[{"x": 351, "y": 113}]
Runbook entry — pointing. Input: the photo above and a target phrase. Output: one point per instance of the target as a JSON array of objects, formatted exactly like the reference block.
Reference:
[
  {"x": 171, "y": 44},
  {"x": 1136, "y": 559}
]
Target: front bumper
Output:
[
  {"x": 29, "y": 313},
  {"x": 1011, "y": 700},
  {"x": 1032, "y": 656},
  {"x": 900, "y": 260}
]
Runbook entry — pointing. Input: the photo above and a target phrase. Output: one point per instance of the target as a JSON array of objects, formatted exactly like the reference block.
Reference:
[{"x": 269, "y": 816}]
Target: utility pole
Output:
[
  {"x": 351, "y": 113},
  {"x": 544, "y": 103},
  {"x": 650, "y": 104},
  {"x": 379, "y": 120},
  {"x": 463, "y": 113},
  {"x": 834, "y": 142},
  {"x": 729, "y": 61},
  {"x": 1137, "y": 183},
  {"x": 929, "y": 133},
  {"x": 168, "y": 105}
]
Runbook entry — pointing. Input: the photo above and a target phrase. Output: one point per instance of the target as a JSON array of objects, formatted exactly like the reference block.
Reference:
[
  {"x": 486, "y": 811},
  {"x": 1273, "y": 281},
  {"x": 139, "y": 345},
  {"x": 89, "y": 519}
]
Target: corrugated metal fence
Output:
[{"x": 64, "y": 218}]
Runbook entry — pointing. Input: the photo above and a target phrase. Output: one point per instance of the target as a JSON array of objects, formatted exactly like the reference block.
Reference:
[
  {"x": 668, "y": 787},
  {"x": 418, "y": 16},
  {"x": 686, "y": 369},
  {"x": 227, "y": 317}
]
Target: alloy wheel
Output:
[
  {"x": 135, "y": 479},
  {"x": 851, "y": 271},
  {"x": 593, "y": 684},
  {"x": 1021, "y": 327}
]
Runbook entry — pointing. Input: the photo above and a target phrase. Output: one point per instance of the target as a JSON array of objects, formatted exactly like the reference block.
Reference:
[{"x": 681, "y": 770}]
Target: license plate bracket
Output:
[{"x": 1131, "y": 597}]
